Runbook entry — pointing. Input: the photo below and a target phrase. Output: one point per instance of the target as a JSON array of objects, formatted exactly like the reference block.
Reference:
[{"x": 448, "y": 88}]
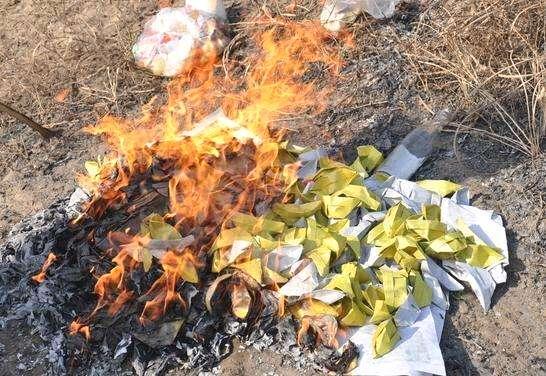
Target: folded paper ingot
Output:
[{"x": 384, "y": 338}]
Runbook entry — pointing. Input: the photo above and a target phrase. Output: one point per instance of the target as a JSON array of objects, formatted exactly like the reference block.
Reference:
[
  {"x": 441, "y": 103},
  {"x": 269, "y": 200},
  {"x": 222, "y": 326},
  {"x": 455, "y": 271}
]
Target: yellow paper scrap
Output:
[
  {"x": 394, "y": 219},
  {"x": 353, "y": 315},
  {"x": 341, "y": 282},
  {"x": 290, "y": 213},
  {"x": 431, "y": 212},
  {"x": 321, "y": 258},
  {"x": 228, "y": 236},
  {"x": 294, "y": 235},
  {"x": 481, "y": 256},
  {"x": 467, "y": 232},
  {"x": 422, "y": 294},
  {"x": 93, "y": 168},
  {"x": 240, "y": 301},
  {"x": 253, "y": 268},
  {"x": 157, "y": 228},
  {"x": 311, "y": 307},
  {"x": 395, "y": 286},
  {"x": 332, "y": 179},
  {"x": 368, "y": 159},
  {"x": 355, "y": 271},
  {"x": 406, "y": 261},
  {"x": 380, "y": 312},
  {"x": 271, "y": 277},
  {"x": 384, "y": 338},
  {"x": 255, "y": 225},
  {"x": 441, "y": 187},
  {"x": 368, "y": 198},
  {"x": 354, "y": 244},
  {"x": 447, "y": 246},
  {"x": 335, "y": 242},
  {"x": 338, "y": 206},
  {"x": 425, "y": 228},
  {"x": 372, "y": 294}
]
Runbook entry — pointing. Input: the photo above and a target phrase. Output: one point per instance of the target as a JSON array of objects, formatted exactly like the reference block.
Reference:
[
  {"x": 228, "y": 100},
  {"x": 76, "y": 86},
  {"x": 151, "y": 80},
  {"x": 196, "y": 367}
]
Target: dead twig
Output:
[{"x": 44, "y": 132}]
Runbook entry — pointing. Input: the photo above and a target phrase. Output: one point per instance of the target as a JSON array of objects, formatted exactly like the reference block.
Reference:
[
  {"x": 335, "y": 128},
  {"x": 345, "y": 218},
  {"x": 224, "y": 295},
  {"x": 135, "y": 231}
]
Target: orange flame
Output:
[
  {"x": 176, "y": 267},
  {"x": 76, "y": 327},
  {"x": 41, "y": 276},
  {"x": 214, "y": 166}
]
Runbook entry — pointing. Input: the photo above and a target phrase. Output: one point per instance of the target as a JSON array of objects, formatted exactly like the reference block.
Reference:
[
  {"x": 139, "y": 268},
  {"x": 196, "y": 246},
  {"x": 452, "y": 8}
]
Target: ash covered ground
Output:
[{"x": 85, "y": 47}]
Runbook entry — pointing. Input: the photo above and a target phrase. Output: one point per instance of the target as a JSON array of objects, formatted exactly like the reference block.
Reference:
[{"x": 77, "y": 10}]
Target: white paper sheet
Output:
[
  {"x": 302, "y": 283},
  {"x": 446, "y": 280},
  {"x": 283, "y": 257},
  {"x": 407, "y": 313},
  {"x": 417, "y": 351},
  {"x": 479, "y": 280}
]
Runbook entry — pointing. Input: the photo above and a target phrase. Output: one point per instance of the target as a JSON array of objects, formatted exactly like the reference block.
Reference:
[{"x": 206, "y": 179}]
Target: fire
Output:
[
  {"x": 41, "y": 276},
  {"x": 176, "y": 266},
  {"x": 76, "y": 327},
  {"x": 214, "y": 165}
]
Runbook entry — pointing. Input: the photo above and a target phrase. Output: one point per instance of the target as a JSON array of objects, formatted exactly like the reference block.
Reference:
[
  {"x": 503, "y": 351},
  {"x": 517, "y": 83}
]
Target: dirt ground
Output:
[{"x": 82, "y": 49}]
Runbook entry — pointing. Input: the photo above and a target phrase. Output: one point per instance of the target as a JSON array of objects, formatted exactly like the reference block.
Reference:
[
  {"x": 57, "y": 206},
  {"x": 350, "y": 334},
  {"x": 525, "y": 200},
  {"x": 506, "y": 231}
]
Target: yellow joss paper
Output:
[
  {"x": 441, "y": 187},
  {"x": 425, "y": 228},
  {"x": 155, "y": 226},
  {"x": 394, "y": 219},
  {"x": 271, "y": 277},
  {"x": 353, "y": 315},
  {"x": 363, "y": 194},
  {"x": 406, "y": 261},
  {"x": 253, "y": 268},
  {"x": 338, "y": 207},
  {"x": 294, "y": 235},
  {"x": 422, "y": 294},
  {"x": 240, "y": 301},
  {"x": 481, "y": 256},
  {"x": 354, "y": 244},
  {"x": 312, "y": 307},
  {"x": 372, "y": 294},
  {"x": 290, "y": 213},
  {"x": 368, "y": 159},
  {"x": 228, "y": 236},
  {"x": 431, "y": 212},
  {"x": 93, "y": 168},
  {"x": 321, "y": 258},
  {"x": 384, "y": 338},
  {"x": 446, "y": 246},
  {"x": 380, "y": 312},
  {"x": 341, "y": 282},
  {"x": 355, "y": 271},
  {"x": 255, "y": 225},
  {"x": 332, "y": 179},
  {"x": 395, "y": 286},
  {"x": 335, "y": 242}
]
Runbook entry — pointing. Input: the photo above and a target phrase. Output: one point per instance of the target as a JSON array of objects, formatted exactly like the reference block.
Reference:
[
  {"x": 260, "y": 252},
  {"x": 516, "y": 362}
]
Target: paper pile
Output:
[{"x": 378, "y": 254}]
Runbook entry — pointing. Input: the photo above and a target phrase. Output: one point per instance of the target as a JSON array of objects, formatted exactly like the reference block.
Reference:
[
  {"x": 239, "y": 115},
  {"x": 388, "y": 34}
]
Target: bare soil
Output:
[{"x": 83, "y": 48}]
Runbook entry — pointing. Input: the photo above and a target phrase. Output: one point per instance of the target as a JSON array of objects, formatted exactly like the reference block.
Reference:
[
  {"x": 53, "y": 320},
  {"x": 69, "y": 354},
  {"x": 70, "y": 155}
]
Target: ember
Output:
[{"x": 41, "y": 276}]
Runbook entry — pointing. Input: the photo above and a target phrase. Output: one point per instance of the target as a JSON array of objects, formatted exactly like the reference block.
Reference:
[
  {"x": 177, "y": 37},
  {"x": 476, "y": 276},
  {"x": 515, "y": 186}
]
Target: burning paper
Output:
[{"x": 202, "y": 225}]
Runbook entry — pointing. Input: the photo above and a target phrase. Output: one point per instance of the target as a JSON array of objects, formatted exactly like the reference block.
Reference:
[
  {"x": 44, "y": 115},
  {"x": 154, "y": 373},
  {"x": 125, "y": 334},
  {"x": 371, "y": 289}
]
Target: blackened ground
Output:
[{"x": 84, "y": 47}]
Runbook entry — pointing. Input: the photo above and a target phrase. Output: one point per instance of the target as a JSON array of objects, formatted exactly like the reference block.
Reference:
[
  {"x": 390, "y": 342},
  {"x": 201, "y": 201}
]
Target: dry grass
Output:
[
  {"x": 69, "y": 47},
  {"x": 487, "y": 58}
]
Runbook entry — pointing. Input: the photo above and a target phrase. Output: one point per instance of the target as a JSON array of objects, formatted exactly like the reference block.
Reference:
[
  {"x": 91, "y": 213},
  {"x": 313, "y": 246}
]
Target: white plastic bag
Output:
[
  {"x": 173, "y": 36},
  {"x": 337, "y": 13}
]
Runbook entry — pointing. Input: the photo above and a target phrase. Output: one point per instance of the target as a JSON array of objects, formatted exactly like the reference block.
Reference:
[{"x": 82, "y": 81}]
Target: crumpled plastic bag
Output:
[
  {"x": 174, "y": 35},
  {"x": 337, "y": 13}
]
